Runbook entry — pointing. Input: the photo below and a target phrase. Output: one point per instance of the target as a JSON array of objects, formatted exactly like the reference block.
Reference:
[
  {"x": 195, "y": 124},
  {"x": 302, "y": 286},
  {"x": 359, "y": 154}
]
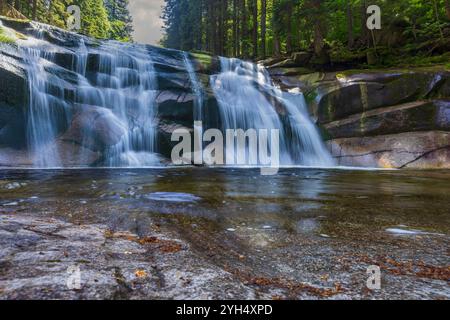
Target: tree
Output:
[
  {"x": 350, "y": 24},
  {"x": 447, "y": 8},
  {"x": 254, "y": 9},
  {"x": 94, "y": 20},
  {"x": 120, "y": 19},
  {"x": 257, "y": 28},
  {"x": 263, "y": 27}
]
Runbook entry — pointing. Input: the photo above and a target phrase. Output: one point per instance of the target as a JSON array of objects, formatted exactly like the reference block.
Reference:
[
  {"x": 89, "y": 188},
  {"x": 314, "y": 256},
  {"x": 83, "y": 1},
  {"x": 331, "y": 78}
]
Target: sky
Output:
[{"x": 146, "y": 20}]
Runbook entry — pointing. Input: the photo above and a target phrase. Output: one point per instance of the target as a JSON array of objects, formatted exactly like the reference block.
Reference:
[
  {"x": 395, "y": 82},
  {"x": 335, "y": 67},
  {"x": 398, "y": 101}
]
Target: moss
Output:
[
  {"x": 4, "y": 38},
  {"x": 20, "y": 36},
  {"x": 202, "y": 58},
  {"x": 15, "y": 19},
  {"x": 311, "y": 97}
]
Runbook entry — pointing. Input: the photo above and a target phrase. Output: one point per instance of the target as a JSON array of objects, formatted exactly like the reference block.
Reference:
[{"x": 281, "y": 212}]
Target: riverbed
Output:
[{"x": 226, "y": 233}]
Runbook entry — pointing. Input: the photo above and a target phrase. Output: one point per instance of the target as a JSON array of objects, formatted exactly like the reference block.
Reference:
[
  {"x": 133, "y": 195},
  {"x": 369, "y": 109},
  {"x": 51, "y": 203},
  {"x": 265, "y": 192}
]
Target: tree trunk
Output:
[
  {"x": 263, "y": 27},
  {"x": 436, "y": 10},
  {"x": 34, "y": 10},
  {"x": 244, "y": 29},
  {"x": 235, "y": 30},
  {"x": 319, "y": 42},
  {"x": 238, "y": 29},
  {"x": 364, "y": 30},
  {"x": 220, "y": 33},
  {"x": 276, "y": 45},
  {"x": 447, "y": 8},
  {"x": 289, "y": 27},
  {"x": 351, "y": 39},
  {"x": 255, "y": 28},
  {"x": 209, "y": 27}
]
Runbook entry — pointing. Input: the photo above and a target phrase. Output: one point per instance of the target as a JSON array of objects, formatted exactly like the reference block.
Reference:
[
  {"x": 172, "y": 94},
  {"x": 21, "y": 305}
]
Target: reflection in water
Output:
[{"x": 309, "y": 201}]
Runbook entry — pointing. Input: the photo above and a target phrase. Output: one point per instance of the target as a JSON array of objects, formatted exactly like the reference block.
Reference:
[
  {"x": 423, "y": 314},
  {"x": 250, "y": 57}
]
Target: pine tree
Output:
[{"x": 120, "y": 19}]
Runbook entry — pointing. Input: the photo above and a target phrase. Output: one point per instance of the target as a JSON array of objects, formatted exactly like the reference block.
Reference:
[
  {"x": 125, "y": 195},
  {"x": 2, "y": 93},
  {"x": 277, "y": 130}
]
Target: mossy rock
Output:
[
  {"x": 204, "y": 63},
  {"x": 6, "y": 37},
  {"x": 409, "y": 117}
]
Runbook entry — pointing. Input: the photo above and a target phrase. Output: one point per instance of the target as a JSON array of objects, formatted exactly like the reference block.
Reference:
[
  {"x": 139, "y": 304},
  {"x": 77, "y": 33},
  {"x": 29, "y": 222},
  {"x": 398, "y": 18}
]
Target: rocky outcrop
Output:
[
  {"x": 418, "y": 150},
  {"x": 385, "y": 118},
  {"x": 408, "y": 117},
  {"x": 112, "y": 264}
]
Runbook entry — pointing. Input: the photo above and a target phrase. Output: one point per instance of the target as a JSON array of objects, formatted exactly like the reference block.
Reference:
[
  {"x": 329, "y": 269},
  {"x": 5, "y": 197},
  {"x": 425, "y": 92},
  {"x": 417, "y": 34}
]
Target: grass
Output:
[{"x": 5, "y": 38}]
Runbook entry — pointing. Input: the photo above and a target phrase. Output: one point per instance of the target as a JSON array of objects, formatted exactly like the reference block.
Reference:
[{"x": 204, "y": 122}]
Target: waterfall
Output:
[
  {"x": 248, "y": 99},
  {"x": 130, "y": 93},
  {"x": 95, "y": 104},
  {"x": 121, "y": 92},
  {"x": 197, "y": 89},
  {"x": 46, "y": 108}
]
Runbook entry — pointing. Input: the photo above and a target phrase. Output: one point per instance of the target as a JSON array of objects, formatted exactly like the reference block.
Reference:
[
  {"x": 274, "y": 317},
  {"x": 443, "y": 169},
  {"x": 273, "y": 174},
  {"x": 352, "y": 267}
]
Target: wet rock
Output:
[
  {"x": 75, "y": 155},
  {"x": 165, "y": 131},
  {"x": 110, "y": 264},
  {"x": 420, "y": 150},
  {"x": 95, "y": 128},
  {"x": 205, "y": 63},
  {"x": 176, "y": 105},
  {"x": 350, "y": 96},
  {"x": 10, "y": 157},
  {"x": 174, "y": 81},
  {"x": 13, "y": 83},
  {"x": 410, "y": 117}
]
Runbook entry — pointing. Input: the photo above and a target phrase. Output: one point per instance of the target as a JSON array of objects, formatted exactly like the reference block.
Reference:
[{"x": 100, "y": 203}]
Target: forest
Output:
[
  {"x": 256, "y": 29},
  {"x": 103, "y": 19}
]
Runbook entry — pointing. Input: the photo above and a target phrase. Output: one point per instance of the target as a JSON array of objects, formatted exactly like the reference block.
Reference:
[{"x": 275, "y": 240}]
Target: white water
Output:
[
  {"x": 123, "y": 92},
  {"x": 248, "y": 100}
]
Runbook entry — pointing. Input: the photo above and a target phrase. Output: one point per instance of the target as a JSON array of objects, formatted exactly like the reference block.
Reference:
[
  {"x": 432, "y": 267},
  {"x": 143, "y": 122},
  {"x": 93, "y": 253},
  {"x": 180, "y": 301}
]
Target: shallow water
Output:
[
  {"x": 374, "y": 200},
  {"x": 299, "y": 224}
]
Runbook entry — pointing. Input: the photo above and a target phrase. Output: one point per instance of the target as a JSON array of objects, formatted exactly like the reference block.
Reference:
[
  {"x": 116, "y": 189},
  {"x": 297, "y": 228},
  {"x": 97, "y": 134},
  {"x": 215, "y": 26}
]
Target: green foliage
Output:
[
  {"x": 227, "y": 27},
  {"x": 4, "y": 38},
  {"x": 102, "y": 19}
]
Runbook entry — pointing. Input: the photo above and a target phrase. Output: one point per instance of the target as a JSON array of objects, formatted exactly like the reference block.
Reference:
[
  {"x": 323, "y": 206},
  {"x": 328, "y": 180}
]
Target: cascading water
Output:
[
  {"x": 130, "y": 93},
  {"x": 248, "y": 99},
  {"x": 46, "y": 108},
  {"x": 121, "y": 92},
  {"x": 197, "y": 90},
  {"x": 107, "y": 92}
]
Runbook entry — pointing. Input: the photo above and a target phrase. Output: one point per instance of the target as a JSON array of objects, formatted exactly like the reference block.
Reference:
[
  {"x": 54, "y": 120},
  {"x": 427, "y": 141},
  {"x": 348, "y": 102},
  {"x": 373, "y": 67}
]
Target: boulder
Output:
[
  {"x": 301, "y": 58},
  {"x": 176, "y": 105},
  {"x": 95, "y": 128},
  {"x": 174, "y": 81},
  {"x": 13, "y": 83},
  {"x": 75, "y": 155},
  {"x": 418, "y": 150},
  {"x": 346, "y": 98},
  {"x": 165, "y": 143},
  {"x": 409, "y": 117}
]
